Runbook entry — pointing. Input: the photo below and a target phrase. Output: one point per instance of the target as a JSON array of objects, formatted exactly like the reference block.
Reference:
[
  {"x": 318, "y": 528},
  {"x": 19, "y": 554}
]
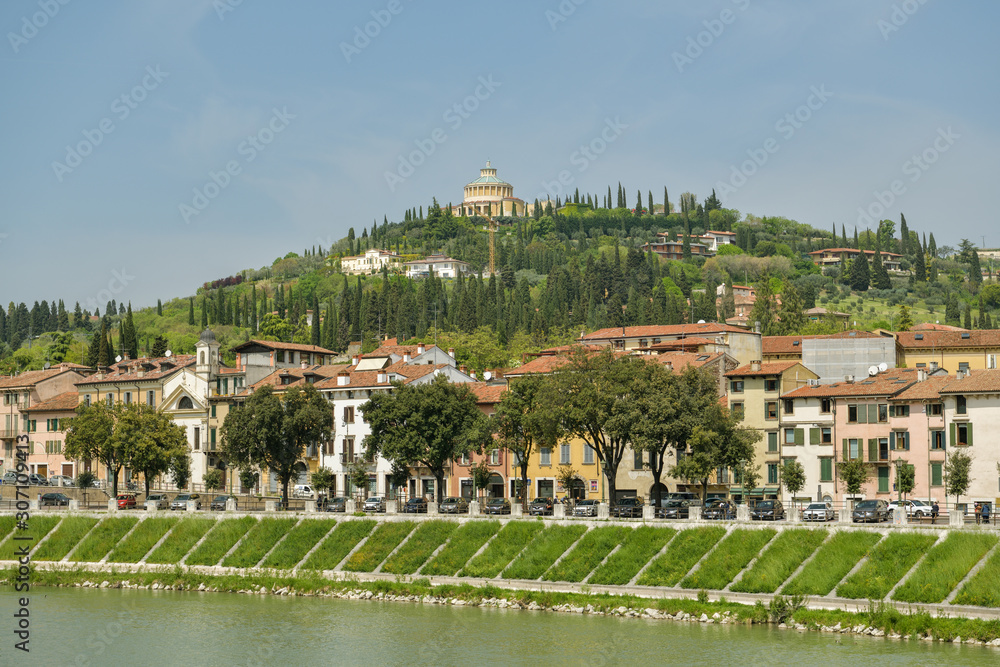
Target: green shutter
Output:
[
  {"x": 951, "y": 435},
  {"x": 892, "y": 440},
  {"x": 935, "y": 474},
  {"x": 847, "y": 451},
  {"x": 872, "y": 449},
  {"x": 826, "y": 470},
  {"x": 814, "y": 436},
  {"x": 883, "y": 479},
  {"x": 800, "y": 436},
  {"x": 906, "y": 440},
  {"x": 872, "y": 413},
  {"x": 969, "y": 435}
]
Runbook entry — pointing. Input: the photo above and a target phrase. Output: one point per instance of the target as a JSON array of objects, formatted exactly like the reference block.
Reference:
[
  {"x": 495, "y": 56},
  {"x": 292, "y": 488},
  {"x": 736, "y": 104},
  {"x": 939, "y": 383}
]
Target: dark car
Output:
[
  {"x": 126, "y": 501},
  {"x": 628, "y": 507},
  {"x": 218, "y": 503},
  {"x": 35, "y": 479},
  {"x": 497, "y": 506},
  {"x": 676, "y": 509},
  {"x": 53, "y": 500},
  {"x": 454, "y": 505},
  {"x": 585, "y": 508},
  {"x": 768, "y": 510},
  {"x": 541, "y": 506},
  {"x": 10, "y": 477},
  {"x": 374, "y": 504},
  {"x": 719, "y": 509},
  {"x": 336, "y": 504},
  {"x": 415, "y": 506},
  {"x": 870, "y": 511}
]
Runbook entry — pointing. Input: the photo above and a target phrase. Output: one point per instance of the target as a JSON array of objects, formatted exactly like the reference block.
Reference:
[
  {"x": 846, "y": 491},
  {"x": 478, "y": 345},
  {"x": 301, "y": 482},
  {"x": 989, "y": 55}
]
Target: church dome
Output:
[{"x": 207, "y": 336}]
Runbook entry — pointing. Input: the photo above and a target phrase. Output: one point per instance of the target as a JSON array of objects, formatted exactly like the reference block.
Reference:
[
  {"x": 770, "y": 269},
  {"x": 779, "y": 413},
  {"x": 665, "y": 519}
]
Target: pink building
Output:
[
  {"x": 917, "y": 433},
  {"x": 47, "y": 421}
]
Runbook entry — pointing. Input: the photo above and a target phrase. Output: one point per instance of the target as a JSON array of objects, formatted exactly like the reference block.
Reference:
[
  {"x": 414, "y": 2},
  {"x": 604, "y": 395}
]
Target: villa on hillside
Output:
[
  {"x": 372, "y": 261},
  {"x": 837, "y": 256}
]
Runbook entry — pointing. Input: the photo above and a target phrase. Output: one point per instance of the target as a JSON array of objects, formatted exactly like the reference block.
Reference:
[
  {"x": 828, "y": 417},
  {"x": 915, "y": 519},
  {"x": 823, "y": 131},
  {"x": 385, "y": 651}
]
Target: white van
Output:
[{"x": 303, "y": 491}]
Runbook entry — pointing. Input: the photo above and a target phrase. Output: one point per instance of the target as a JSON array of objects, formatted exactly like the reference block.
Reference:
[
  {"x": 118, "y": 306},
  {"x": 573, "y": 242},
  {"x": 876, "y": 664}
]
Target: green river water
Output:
[{"x": 129, "y": 627}]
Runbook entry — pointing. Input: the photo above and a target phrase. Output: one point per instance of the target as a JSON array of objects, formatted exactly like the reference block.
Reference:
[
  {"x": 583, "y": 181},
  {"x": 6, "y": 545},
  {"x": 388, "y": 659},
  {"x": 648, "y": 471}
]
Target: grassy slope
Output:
[
  {"x": 588, "y": 554},
  {"x": 983, "y": 589},
  {"x": 224, "y": 535},
  {"x": 184, "y": 536},
  {"x": 258, "y": 542},
  {"x": 543, "y": 551},
  {"x": 734, "y": 554},
  {"x": 686, "y": 550},
  {"x": 300, "y": 540},
  {"x": 886, "y": 565},
  {"x": 832, "y": 563},
  {"x": 465, "y": 542},
  {"x": 385, "y": 538},
  {"x": 945, "y": 566},
  {"x": 142, "y": 540},
  {"x": 780, "y": 560},
  {"x": 338, "y": 544},
  {"x": 103, "y": 539},
  {"x": 428, "y": 537},
  {"x": 70, "y": 531},
  {"x": 502, "y": 550},
  {"x": 639, "y": 546}
]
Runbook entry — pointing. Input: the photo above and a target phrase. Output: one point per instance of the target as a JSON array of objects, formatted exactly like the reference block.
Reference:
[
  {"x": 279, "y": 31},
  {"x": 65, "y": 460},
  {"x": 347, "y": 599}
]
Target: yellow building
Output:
[
  {"x": 952, "y": 350},
  {"x": 755, "y": 391}
]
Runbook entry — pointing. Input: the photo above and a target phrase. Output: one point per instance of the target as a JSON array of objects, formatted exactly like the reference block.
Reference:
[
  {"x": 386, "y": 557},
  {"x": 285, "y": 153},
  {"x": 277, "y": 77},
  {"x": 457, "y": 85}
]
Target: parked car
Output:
[
  {"x": 497, "y": 506},
  {"x": 181, "y": 501},
  {"x": 10, "y": 477},
  {"x": 34, "y": 479},
  {"x": 676, "y": 509},
  {"x": 719, "y": 509},
  {"x": 161, "y": 500},
  {"x": 375, "y": 504},
  {"x": 53, "y": 500},
  {"x": 870, "y": 511},
  {"x": 61, "y": 480},
  {"x": 336, "y": 504},
  {"x": 541, "y": 506},
  {"x": 218, "y": 503},
  {"x": 454, "y": 505},
  {"x": 629, "y": 507},
  {"x": 585, "y": 508},
  {"x": 303, "y": 491},
  {"x": 126, "y": 501},
  {"x": 819, "y": 512},
  {"x": 415, "y": 506},
  {"x": 768, "y": 510},
  {"x": 915, "y": 509}
]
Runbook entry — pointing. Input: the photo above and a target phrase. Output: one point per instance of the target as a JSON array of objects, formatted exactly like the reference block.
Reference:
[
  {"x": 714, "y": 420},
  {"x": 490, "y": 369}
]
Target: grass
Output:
[
  {"x": 184, "y": 536},
  {"x": 640, "y": 545},
  {"x": 983, "y": 589},
  {"x": 733, "y": 554},
  {"x": 334, "y": 548},
  {"x": 464, "y": 543},
  {"x": 780, "y": 560},
  {"x": 385, "y": 538},
  {"x": 38, "y": 527},
  {"x": 945, "y": 566},
  {"x": 832, "y": 563},
  {"x": 226, "y": 533},
  {"x": 7, "y": 524},
  {"x": 888, "y": 562},
  {"x": 543, "y": 551},
  {"x": 142, "y": 540},
  {"x": 686, "y": 550},
  {"x": 428, "y": 537},
  {"x": 258, "y": 542},
  {"x": 588, "y": 554},
  {"x": 508, "y": 543},
  {"x": 300, "y": 540},
  {"x": 70, "y": 531},
  {"x": 103, "y": 539}
]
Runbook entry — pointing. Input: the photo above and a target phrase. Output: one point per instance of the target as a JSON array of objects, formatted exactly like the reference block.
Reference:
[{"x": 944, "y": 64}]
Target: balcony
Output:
[{"x": 9, "y": 432}]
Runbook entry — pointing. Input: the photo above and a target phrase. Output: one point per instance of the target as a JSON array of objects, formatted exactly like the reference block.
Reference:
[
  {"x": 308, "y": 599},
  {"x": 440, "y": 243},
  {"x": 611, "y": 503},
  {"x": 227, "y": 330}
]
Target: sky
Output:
[{"x": 151, "y": 146}]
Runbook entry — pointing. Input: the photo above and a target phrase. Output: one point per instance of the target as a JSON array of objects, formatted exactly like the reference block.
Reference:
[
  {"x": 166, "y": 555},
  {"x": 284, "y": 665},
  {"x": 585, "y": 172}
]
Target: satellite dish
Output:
[
  {"x": 873, "y": 370},
  {"x": 701, "y": 321},
  {"x": 487, "y": 376},
  {"x": 167, "y": 353},
  {"x": 47, "y": 366},
  {"x": 437, "y": 372},
  {"x": 118, "y": 358},
  {"x": 883, "y": 367}
]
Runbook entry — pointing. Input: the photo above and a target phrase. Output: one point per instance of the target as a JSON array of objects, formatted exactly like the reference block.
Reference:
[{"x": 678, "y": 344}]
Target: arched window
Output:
[
  {"x": 201, "y": 358},
  {"x": 185, "y": 403}
]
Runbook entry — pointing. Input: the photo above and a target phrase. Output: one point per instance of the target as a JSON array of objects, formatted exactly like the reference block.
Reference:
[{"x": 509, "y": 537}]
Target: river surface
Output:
[{"x": 71, "y": 626}]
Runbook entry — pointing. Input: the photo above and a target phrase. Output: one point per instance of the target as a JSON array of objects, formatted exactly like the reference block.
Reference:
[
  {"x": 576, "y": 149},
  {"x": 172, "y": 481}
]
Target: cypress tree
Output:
[
  {"x": 159, "y": 308},
  {"x": 904, "y": 236},
  {"x": 860, "y": 274},
  {"x": 843, "y": 236},
  {"x": 314, "y": 336},
  {"x": 650, "y": 200},
  {"x": 967, "y": 321},
  {"x": 94, "y": 351},
  {"x": 880, "y": 276},
  {"x": 103, "y": 352},
  {"x": 920, "y": 269},
  {"x": 204, "y": 312},
  {"x": 129, "y": 342}
]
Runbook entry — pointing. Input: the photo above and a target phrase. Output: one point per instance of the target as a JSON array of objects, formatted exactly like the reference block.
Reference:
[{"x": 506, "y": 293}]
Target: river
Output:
[{"x": 71, "y": 626}]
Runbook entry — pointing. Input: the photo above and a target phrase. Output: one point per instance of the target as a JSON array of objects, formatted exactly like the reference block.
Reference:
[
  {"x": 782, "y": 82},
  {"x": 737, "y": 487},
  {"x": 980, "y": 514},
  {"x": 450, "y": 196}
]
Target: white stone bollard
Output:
[
  {"x": 270, "y": 505},
  {"x": 474, "y": 508},
  {"x": 351, "y": 506},
  {"x": 648, "y": 512},
  {"x": 956, "y": 518},
  {"x": 558, "y": 511},
  {"x": 516, "y": 510},
  {"x": 150, "y": 505},
  {"x": 231, "y": 504},
  {"x": 112, "y": 504},
  {"x": 192, "y": 506},
  {"x": 432, "y": 507},
  {"x": 899, "y": 516},
  {"x": 844, "y": 515},
  {"x": 694, "y": 513},
  {"x": 603, "y": 511},
  {"x": 310, "y": 506},
  {"x": 390, "y": 507},
  {"x": 743, "y": 513}
]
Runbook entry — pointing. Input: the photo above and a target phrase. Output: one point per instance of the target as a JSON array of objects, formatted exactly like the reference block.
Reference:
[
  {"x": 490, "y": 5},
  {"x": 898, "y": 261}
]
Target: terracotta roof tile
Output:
[
  {"x": 927, "y": 390},
  {"x": 65, "y": 402},
  {"x": 768, "y": 368},
  {"x": 662, "y": 330},
  {"x": 933, "y": 326},
  {"x": 946, "y": 339},
  {"x": 890, "y": 383},
  {"x": 127, "y": 371},
  {"x": 977, "y": 382},
  {"x": 786, "y": 344},
  {"x": 28, "y": 378},
  {"x": 487, "y": 394},
  {"x": 278, "y": 345},
  {"x": 297, "y": 376}
]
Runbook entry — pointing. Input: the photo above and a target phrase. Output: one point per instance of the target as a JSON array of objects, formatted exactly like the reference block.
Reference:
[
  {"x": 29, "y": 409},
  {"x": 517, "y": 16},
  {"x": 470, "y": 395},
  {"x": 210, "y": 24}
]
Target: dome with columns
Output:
[{"x": 488, "y": 195}]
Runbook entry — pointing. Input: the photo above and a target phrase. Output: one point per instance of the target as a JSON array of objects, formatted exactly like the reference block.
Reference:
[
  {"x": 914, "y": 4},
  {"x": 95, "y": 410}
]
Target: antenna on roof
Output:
[
  {"x": 47, "y": 366},
  {"x": 487, "y": 376},
  {"x": 167, "y": 353},
  {"x": 873, "y": 370}
]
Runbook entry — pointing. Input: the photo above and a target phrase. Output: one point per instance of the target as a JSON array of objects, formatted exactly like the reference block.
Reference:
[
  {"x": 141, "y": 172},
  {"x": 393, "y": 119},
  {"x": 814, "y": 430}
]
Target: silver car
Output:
[
  {"x": 375, "y": 504},
  {"x": 61, "y": 480},
  {"x": 162, "y": 503},
  {"x": 819, "y": 512}
]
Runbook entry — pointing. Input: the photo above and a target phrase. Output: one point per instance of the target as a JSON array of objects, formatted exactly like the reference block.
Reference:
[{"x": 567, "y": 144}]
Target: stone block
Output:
[
  {"x": 351, "y": 506},
  {"x": 150, "y": 505},
  {"x": 432, "y": 507},
  {"x": 391, "y": 507},
  {"x": 74, "y": 504},
  {"x": 558, "y": 511},
  {"x": 112, "y": 505},
  {"x": 516, "y": 510},
  {"x": 474, "y": 508},
  {"x": 603, "y": 511},
  {"x": 310, "y": 506},
  {"x": 270, "y": 505},
  {"x": 648, "y": 512},
  {"x": 694, "y": 513},
  {"x": 844, "y": 515},
  {"x": 743, "y": 513},
  {"x": 956, "y": 518},
  {"x": 192, "y": 506},
  {"x": 231, "y": 505}
]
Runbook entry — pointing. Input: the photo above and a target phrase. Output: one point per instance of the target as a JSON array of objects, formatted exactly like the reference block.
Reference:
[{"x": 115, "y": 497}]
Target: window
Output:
[
  {"x": 546, "y": 456},
  {"x": 150, "y": 397},
  {"x": 349, "y": 414},
  {"x": 883, "y": 449},
  {"x": 883, "y": 412},
  {"x": 637, "y": 460},
  {"x": 772, "y": 441},
  {"x": 936, "y": 474},
  {"x": 991, "y": 361},
  {"x": 772, "y": 473},
  {"x": 883, "y": 479},
  {"x": 213, "y": 411},
  {"x": 197, "y": 438},
  {"x": 899, "y": 440},
  {"x": 465, "y": 459},
  {"x": 937, "y": 409},
  {"x": 643, "y": 342},
  {"x": 963, "y": 434},
  {"x": 771, "y": 384},
  {"x": 736, "y": 386},
  {"x": 564, "y": 453},
  {"x": 825, "y": 405},
  {"x": 789, "y": 406},
  {"x": 960, "y": 405},
  {"x": 494, "y": 457},
  {"x": 852, "y": 414},
  {"x": 826, "y": 435},
  {"x": 211, "y": 440},
  {"x": 347, "y": 456},
  {"x": 963, "y": 366},
  {"x": 852, "y": 450},
  {"x": 937, "y": 440},
  {"x": 793, "y": 436},
  {"x": 185, "y": 403},
  {"x": 588, "y": 455},
  {"x": 279, "y": 356},
  {"x": 737, "y": 410},
  {"x": 128, "y": 398},
  {"x": 771, "y": 410},
  {"x": 109, "y": 399},
  {"x": 86, "y": 400},
  {"x": 826, "y": 470},
  {"x": 722, "y": 475}
]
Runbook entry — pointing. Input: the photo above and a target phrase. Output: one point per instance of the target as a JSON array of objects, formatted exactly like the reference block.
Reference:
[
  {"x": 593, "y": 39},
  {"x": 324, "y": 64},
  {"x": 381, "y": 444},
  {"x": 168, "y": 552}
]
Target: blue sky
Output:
[{"x": 151, "y": 146}]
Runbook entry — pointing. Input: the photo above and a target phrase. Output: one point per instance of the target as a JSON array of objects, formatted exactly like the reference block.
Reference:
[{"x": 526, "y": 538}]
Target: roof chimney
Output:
[
  {"x": 357, "y": 359},
  {"x": 305, "y": 364},
  {"x": 473, "y": 375},
  {"x": 420, "y": 348},
  {"x": 343, "y": 378},
  {"x": 463, "y": 368},
  {"x": 933, "y": 366},
  {"x": 755, "y": 366},
  {"x": 849, "y": 379},
  {"x": 921, "y": 375},
  {"x": 451, "y": 352},
  {"x": 959, "y": 375},
  {"x": 382, "y": 378},
  {"x": 669, "y": 365},
  {"x": 406, "y": 357}
]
